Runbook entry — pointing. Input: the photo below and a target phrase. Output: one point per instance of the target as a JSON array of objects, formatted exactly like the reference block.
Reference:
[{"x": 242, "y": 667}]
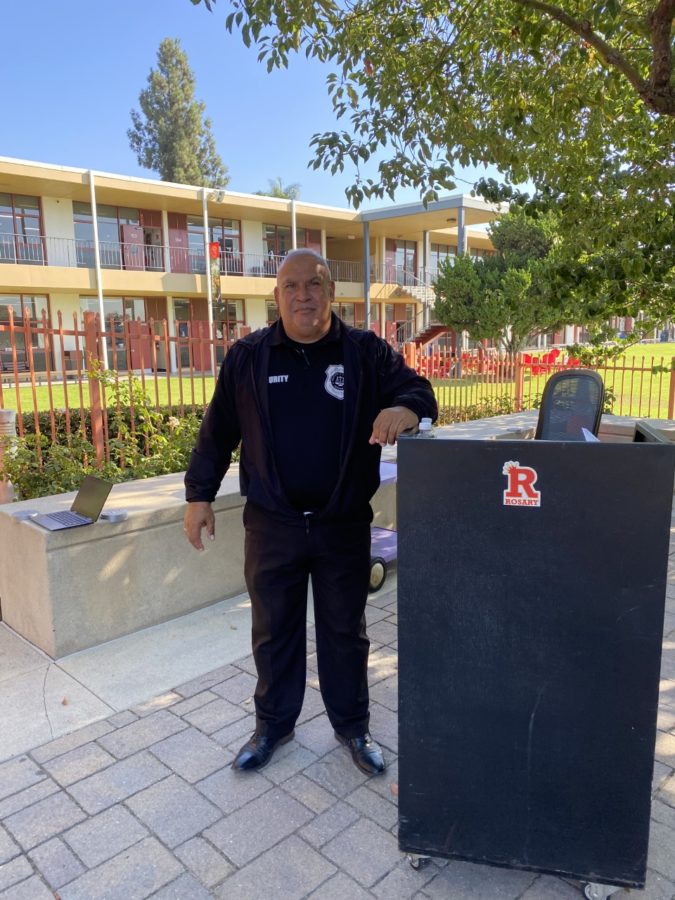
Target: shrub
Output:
[{"x": 149, "y": 442}]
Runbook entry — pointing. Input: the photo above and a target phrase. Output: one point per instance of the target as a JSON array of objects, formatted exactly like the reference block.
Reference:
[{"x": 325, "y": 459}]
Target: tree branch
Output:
[
  {"x": 660, "y": 21},
  {"x": 659, "y": 95}
]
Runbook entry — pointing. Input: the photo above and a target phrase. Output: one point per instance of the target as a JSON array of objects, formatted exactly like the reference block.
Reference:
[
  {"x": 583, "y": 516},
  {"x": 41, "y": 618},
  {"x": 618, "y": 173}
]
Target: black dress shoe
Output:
[
  {"x": 257, "y": 752},
  {"x": 366, "y": 754}
]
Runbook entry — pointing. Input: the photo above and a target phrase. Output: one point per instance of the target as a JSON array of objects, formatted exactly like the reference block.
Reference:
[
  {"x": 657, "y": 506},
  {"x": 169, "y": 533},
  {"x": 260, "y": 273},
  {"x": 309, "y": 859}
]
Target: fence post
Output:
[
  {"x": 520, "y": 382},
  {"x": 671, "y": 395},
  {"x": 410, "y": 355},
  {"x": 92, "y": 356}
]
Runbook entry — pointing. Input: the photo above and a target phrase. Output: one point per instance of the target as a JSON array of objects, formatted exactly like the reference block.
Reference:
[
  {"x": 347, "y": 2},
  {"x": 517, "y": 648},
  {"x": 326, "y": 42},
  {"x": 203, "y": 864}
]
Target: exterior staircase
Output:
[{"x": 430, "y": 333}]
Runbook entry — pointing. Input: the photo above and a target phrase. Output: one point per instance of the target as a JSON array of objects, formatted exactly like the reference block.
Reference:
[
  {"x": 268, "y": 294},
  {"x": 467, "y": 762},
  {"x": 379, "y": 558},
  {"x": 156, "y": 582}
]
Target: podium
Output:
[{"x": 531, "y": 590}]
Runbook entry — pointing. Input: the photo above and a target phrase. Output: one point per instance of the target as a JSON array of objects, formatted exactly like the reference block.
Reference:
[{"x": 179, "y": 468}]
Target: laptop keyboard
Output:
[{"x": 69, "y": 518}]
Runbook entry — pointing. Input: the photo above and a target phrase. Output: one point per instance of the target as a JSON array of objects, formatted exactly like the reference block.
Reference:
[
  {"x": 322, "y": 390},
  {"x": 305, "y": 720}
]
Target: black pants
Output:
[{"x": 279, "y": 560}]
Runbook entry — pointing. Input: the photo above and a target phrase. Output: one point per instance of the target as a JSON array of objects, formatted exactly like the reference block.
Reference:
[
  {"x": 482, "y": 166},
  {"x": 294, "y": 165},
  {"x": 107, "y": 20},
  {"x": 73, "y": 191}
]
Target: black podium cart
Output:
[{"x": 531, "y": 587}]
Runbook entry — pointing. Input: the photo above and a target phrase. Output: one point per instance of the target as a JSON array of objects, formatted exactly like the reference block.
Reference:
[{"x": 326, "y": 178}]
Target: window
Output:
[
  {"x": 227, "y": 232},
  {"x": 228, "y": 315},
  {"x": 438, "y": 254},
  {"x": 272, "y": 311},
  {"x": 347, "y": 312},
  {"x": 35, "y": 305},
  {"x": 21, "y": 230},
  {"x": 120, "y": 237}
]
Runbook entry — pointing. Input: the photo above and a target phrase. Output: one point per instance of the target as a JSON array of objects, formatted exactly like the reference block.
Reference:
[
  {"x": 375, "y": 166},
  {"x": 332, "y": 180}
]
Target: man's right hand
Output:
[{"x": 199, "y": 515}]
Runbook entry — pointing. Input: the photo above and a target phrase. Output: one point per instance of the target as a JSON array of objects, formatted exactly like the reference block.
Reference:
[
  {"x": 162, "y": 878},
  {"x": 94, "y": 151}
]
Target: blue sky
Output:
[{"x": 72, "y": 70}]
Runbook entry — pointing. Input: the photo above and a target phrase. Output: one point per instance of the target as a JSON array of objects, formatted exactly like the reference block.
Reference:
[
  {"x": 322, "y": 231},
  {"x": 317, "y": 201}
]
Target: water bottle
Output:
[{"x": 425, "y": 429}]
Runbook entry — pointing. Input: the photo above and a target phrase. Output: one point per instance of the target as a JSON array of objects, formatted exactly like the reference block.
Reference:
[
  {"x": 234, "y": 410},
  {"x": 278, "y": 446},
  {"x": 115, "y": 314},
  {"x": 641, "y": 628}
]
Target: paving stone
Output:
[
  {"x": 370, "y": 804},
  {"x": 286, "y": 872},
  {"x": 163, "y": 701},
  {"x": 663, "y": 813},
  {"x": 194, "y": 702},
  {"x": 174, "y": 810},
  {"x": 331, "y": 822},
  {"x": 317, "y": 735},
  {"x": 656, "y": 888},
  {"x": 257, "y": 826},
  {"x": 463, "y": 880},
  {"x": 19, "y": 774},
  {"x": 384, "y": 727},
  {"x": 206, "y": 681},
  {"x": 380, "y": 600},
  {"x": 665, "y": 749},
  {"x": 336, "y": 773},
  {"x": 204, "y": 861},
  {"x": 378, "y": 614},
  {"x": 660, "y": 774},
  {"x": 103, "y": 836},
  {"x": 546, "y": 887},
  {"x": 191, "y": 754},
  {"x": 8, "y": 848},
  {"x": 386, "y": 693},
  {"x": 141, "y": 734},
  {"x": 309, "y": 792},
  {"x": 247, "y": 664},
  {"x": 78, "y": 764},
  {"x": 56, "y": 863},
  {"x": 120, "y": 719},
  {"x": 365, "y": 851},
  {"x": 666, "y": 792},
  {"x": 382, "y": 664},
  {"x": 236, "y": 734},
  {"x": 185, "y": 887},
  {"x": 131, "y": 875},
  {"x": 404, "y": 882},
  {"x": 289, "y": 759},
  {"x": 383, "y": 632},
  {"x": 340, "y": 887},
  {"x": 12, "y": 872},
  {"x": 661, "y": 856},
  {"x": 32, "y": 889},
  {"x": 117, "y": 782},
  {"x": 70, "y": 741},
  {"x": 214, "y": 715},
  {"x": 230, "y": 790},
  {"x": 27, "y": 797},
  {"x": 43, "y": 820},
  {"x": 312, "y": 706},
  {"x": 386, "y": 785},
  {"x": 236, "y": 689}
]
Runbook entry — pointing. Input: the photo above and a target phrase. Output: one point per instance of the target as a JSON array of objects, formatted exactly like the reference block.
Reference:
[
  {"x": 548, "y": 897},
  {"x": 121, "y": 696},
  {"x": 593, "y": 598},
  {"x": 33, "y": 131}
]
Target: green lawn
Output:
[{"x": 642, "y": 393}]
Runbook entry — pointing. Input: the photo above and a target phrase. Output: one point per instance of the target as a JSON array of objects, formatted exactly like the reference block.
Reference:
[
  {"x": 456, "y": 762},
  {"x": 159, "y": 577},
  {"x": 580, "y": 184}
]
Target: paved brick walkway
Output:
[{"x": 144, "y": 804}]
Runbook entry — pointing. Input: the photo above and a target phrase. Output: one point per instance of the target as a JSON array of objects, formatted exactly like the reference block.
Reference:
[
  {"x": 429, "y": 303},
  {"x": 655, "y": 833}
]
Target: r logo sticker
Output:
[{"x": 520, "y": 489}]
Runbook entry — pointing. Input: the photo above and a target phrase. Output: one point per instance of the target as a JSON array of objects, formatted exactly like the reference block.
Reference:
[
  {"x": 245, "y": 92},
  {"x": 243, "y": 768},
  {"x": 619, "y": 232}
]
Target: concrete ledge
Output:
[{"x": 68, "y": 590}]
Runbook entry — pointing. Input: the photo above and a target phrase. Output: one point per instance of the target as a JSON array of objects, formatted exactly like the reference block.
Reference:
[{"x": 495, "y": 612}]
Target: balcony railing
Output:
[{"x": 76, "y": 253}]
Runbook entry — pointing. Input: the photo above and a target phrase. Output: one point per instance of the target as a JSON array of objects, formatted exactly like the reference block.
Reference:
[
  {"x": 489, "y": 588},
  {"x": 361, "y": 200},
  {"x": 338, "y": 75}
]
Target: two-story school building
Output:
[{"x": 73, "y": 240}]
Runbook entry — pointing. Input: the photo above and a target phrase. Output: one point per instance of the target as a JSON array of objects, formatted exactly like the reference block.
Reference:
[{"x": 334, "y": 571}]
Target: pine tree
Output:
[{"x": 170, "y": 134}]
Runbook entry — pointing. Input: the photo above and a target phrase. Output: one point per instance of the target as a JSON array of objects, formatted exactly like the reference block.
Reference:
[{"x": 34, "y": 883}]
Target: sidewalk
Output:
[{"x": 142, "y": 802}]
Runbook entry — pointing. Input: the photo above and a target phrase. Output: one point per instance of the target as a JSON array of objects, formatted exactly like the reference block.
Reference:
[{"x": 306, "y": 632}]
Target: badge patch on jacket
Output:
[{"x": 335, "y": 381}]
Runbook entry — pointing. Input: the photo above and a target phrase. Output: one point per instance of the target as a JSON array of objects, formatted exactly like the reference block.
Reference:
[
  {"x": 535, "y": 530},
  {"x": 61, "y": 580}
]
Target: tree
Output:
[
  {"x": 170, "y": 135},
  {"x": 576, "y": 96},
  {"x": 278, "y": 189},
  {"x": 505, "y": 297}
]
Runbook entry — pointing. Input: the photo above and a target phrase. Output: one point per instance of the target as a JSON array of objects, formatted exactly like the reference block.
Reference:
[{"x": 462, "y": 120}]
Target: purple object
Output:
[{"x": 383, "y": 543}]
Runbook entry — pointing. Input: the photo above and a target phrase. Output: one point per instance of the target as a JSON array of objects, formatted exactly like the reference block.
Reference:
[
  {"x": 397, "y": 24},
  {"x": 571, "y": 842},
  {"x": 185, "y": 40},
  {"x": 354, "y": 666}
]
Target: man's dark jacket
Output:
[{"x": 376, "y": 377}]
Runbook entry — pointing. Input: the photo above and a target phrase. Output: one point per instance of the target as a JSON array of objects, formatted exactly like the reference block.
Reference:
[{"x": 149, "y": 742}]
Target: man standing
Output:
[{"x": 312, "y": 402}]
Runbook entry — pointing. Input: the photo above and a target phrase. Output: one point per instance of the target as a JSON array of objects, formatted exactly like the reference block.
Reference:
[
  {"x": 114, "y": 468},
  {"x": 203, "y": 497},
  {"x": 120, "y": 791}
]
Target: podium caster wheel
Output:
[
  {"x": 593, "y": 891},
  {"x": 378, "y": 573},
  {"x": 418, "y": 862}
]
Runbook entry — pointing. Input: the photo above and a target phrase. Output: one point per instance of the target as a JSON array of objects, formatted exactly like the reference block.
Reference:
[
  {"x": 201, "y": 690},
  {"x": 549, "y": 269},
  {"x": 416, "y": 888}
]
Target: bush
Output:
[
  {"x": 151, "y": 442},
  {"x": 494, "y": 406}
]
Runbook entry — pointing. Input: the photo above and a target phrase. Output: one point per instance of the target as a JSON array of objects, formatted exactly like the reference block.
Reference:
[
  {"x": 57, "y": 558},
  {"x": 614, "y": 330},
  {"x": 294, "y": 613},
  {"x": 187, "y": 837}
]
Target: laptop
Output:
[{"x": 85, "y": 510}]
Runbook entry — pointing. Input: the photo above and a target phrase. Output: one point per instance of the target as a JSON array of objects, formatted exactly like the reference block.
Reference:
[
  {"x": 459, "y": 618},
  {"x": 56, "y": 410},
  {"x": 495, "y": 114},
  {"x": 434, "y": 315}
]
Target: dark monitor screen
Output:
[{"x": 645, "y": 432}]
